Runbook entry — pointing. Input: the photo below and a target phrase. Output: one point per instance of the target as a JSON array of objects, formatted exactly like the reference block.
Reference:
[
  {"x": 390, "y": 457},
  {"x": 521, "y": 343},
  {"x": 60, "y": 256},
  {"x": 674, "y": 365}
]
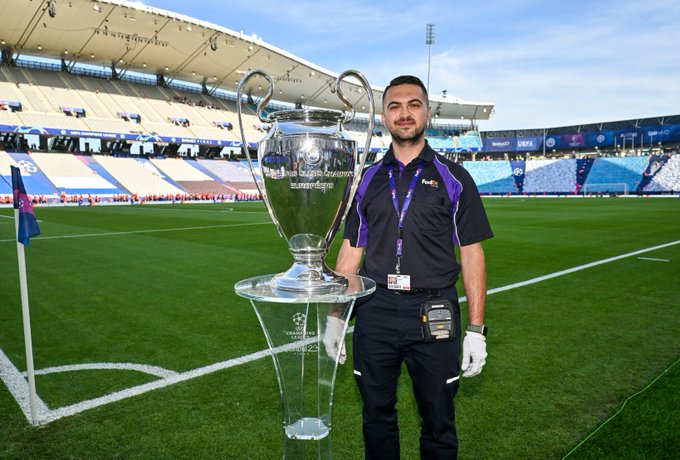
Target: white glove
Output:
[
  {"x": 335, "y": 327},
  {"x": 474, "y": 354}
]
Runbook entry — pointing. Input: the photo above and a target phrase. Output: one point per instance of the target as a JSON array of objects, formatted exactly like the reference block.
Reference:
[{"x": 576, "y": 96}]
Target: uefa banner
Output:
[
  {"x": 631, "y": 138},
  {"x": 529, "y": 144}
]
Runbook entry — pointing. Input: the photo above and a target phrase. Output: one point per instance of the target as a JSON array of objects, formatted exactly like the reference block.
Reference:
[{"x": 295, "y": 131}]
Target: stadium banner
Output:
[
  {"x": 553, "y": 142},
  {"x": 652, "y": 135},
  {"x": 574, "y": 140},
  {"x": 628, "y": 138},
  {"x": 12, "y": 106},
  {"x": 599, "y": 138},
  {"x": 500, "y": 144},
  {"x": 674, "y": 132},
  {"x": 529, "y": 144},
  {"x": 132, "y": 137},
  {"x": 518, "y": 168}
]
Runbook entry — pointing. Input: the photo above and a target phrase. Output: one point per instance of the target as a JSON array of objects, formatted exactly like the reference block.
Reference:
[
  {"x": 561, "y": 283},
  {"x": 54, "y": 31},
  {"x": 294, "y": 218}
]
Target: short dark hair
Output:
[{"x": 407, "y": 80}]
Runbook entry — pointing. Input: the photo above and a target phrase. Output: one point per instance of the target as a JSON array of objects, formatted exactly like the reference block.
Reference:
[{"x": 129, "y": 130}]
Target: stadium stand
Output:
[
  {"x": 51, "y": 120},
  {"x": 232, "y": 173},
  {"x": 583, "y": 166},
  {"x": 492, "y": 176},
  {"x": 136, "y": 112},
  {"x": 668, "y": 177},
  {"x": 35, "y": 181},
  {"x": 9, "y": 118},
  {"x": 613, "y": 170},
  {"x": 139, "y": 176},
  {"x": 111, "y": 125},
  {"x": 187, "y": 174},
  {"x": 5, "y": 188},
  {"x": 550, "y": 176},
  {"x": 470, "y": 141},
  {"x": 71, "y": 175}
]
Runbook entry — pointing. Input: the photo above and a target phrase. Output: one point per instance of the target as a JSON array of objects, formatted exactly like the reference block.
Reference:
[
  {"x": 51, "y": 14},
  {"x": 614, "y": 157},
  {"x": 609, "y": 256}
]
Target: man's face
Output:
[{"x": 405, "y": 113}]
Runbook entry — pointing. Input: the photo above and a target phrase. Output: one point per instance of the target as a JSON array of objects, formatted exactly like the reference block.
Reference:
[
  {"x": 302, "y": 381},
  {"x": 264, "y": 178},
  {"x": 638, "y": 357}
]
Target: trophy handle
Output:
[
  {"x": 244, "y": 142},
  {"x": 371, "y": 120}
]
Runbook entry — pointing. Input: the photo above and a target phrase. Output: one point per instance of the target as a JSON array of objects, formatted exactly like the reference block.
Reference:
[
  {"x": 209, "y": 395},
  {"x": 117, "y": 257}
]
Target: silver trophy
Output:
[{"x": 310, "y": 168}]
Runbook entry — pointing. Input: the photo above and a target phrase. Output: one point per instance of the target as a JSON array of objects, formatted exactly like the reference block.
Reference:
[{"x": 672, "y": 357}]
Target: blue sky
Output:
[{"x": 543, "y": 63}]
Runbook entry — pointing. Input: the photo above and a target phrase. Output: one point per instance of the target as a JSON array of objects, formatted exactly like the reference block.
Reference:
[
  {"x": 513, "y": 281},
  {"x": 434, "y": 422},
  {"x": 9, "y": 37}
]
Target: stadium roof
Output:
[{"x": 135, "y": 37}]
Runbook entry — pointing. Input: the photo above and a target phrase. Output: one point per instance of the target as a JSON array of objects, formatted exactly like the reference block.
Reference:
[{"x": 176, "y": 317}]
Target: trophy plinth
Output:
[{"x": 295, "y": 326}]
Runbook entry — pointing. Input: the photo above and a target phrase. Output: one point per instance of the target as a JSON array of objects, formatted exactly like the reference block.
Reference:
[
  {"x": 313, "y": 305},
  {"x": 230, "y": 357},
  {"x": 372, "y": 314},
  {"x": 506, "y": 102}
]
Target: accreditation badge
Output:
[{"x": 399, "y": 282}]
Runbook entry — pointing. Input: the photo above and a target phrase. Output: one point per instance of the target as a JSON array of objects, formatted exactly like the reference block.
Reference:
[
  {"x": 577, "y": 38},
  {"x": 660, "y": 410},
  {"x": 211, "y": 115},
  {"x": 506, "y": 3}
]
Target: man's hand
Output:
[
  {"x": 335, "y": 327},
  {"x": 474, "y": 354}
]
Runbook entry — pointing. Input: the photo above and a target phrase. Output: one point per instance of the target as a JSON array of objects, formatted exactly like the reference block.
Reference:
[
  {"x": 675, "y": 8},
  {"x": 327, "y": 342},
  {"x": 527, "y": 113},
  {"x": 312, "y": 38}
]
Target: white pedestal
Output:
[{"x": 294, "y": 324}]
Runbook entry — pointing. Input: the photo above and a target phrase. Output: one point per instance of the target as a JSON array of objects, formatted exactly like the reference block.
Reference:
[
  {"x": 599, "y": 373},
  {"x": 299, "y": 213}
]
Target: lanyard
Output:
[{"x": 401, "y": 212}]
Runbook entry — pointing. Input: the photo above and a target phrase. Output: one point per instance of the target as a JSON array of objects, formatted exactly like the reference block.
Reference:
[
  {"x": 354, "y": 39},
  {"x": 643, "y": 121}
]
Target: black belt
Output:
[{"x": 413, "y": 291}]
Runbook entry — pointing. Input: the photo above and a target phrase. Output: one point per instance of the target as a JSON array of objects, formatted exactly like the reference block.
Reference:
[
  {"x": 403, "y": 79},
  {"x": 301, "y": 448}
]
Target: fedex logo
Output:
[{"x": 432, "y": 183}]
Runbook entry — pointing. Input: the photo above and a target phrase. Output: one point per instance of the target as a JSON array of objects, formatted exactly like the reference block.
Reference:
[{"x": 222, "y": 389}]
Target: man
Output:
[{"x": 409, "y": 212}]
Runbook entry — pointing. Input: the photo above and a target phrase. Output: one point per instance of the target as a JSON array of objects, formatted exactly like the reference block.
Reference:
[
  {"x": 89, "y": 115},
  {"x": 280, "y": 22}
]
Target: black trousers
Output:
[{"x": 387, "y": 333}]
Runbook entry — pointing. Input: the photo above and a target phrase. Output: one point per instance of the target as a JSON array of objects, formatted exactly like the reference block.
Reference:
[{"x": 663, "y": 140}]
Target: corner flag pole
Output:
[
  {"x": 26, "y": 226},
  {"x": 26, "y": 316}
]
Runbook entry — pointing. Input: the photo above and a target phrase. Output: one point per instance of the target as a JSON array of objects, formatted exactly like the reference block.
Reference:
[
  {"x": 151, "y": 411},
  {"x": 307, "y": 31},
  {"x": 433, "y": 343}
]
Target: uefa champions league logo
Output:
[
  {"x": 299, "y": 320},
  {"x": 312, "y": 155},
  {"x": 27, "y": 166},
  {"x": 300, "y": 332},
  {"x": 517, "y": 172}
]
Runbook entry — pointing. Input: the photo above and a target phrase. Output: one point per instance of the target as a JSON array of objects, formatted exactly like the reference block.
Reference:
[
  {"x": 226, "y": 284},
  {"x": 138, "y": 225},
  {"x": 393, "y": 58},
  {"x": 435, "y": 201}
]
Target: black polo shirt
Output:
[{"x": 445, "y": 210}]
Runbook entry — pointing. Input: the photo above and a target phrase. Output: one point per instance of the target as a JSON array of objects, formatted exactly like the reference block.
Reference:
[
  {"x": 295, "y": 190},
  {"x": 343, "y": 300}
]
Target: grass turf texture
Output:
[{"x": 154, "y": 285}]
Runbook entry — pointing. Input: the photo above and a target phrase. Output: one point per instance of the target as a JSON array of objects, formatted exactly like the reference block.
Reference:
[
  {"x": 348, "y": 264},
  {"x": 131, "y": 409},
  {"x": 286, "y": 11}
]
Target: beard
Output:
[{"x": 411, "y": 138}]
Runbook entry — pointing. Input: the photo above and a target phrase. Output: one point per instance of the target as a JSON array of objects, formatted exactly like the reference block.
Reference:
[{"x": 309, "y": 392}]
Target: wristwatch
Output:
[{"x": 477, "y": 328}]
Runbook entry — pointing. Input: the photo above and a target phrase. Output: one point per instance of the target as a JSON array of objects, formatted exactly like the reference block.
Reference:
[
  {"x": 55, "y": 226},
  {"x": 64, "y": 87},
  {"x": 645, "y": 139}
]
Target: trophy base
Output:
[
  {"x": 295, "y": 325},
  {"x": 302, "y": 278},
  {"x": 307, "y": 428}
]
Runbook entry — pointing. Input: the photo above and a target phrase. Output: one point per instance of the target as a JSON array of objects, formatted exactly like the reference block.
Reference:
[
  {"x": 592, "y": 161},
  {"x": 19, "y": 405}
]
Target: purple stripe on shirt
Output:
[
  {"x": 453, "y": 188},
  {"x": 362, "y": 236}
]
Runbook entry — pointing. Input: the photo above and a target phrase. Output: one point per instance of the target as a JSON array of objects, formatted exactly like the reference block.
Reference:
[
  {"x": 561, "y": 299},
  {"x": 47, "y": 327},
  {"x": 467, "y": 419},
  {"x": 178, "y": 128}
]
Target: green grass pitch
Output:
[{"x": 153, "y": 285}]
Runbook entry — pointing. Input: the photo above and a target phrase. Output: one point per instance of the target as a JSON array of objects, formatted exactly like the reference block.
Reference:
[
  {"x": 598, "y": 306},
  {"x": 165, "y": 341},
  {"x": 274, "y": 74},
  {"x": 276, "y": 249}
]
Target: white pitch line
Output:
[
  {"x": 12, "y": 377},
  {"x": 18, "y": 387},
  {"x": 145, "y": 368},
  {"x": 653, "y": 259},
  {"x": 77, "y": 408},
  {"x": 575, "y": 269},
  {"x": 134, "y": 232}
]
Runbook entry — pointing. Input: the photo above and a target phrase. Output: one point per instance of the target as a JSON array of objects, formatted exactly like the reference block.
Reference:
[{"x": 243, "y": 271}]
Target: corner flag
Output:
[{"x": 28, "y": 225}]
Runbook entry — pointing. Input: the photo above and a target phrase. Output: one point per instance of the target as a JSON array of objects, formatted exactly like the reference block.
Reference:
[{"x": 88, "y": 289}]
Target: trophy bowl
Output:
[{"x": 310, "y": 169}]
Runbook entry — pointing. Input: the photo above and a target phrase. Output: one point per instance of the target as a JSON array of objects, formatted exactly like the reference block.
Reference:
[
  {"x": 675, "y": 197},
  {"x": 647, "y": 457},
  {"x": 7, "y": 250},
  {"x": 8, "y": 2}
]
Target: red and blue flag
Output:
[{"x": 28, "y": 224}]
